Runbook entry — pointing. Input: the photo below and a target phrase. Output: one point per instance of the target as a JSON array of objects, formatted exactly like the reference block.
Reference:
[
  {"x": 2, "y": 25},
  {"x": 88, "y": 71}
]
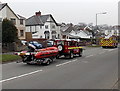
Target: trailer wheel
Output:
[
  {"x": 58, "y": 56},
  {"x": 47, "y": 61}
]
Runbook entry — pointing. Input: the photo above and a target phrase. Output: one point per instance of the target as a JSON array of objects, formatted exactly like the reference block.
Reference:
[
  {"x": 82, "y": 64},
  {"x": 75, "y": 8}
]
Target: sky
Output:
[{"x": 69, "y": 11}]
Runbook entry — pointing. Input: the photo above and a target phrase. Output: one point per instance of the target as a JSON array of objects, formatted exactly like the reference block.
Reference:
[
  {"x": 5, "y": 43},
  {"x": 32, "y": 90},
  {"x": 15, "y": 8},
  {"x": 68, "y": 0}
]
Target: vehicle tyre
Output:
[
  {"x": 60, "y": 47},
  {"x": 115, "y": 46},
  {"x": 71, "y": 55},
  {"x": 80, "y": 54},
  {"x": 58, "y": 56},
  {"x": 47, "y": 61},
  {"x": 104, "y": 47}
]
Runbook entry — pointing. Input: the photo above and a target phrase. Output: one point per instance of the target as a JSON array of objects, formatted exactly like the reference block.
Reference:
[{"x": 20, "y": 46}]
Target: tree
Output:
[{"x": 9, "y": 31}]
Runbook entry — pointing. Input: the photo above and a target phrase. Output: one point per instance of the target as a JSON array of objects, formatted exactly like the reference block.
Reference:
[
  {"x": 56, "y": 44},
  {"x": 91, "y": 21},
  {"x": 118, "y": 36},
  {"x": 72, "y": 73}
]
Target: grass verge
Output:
[{"x": 8, "y": 58}]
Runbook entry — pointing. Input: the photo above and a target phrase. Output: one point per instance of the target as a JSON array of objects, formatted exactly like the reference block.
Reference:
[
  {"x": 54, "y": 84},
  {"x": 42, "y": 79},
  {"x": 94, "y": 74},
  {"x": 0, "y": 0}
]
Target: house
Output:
[
  {"x": 43, "y": 26},
  {"x": 19, "y": 21},
  {"x": 65, "y": 30},
  {"x": 111, "y": 31},
  {"x": 81, "y": 34},
  {"x": 73, "y": 31}
]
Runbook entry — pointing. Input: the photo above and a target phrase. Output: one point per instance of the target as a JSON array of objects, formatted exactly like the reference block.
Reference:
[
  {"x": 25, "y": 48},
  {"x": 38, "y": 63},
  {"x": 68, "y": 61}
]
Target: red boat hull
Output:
[{"x": 47, "y": 52}]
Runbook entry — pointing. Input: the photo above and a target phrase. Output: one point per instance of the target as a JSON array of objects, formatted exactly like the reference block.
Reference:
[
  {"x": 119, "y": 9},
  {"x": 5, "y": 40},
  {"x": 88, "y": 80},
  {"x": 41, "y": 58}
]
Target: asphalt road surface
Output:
[{"x": 96, "y": 69}]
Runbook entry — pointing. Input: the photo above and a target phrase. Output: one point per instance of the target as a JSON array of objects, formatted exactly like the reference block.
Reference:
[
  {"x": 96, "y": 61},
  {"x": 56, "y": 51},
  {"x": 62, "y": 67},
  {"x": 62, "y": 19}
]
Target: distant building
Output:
[
  {"x": 72, "y": 31},
  {"x": 43, "y": 26},
  {"x": 19, "y": 21},
  {"x": 114, "y": 31},
  {"x": 65, "y": 30}
]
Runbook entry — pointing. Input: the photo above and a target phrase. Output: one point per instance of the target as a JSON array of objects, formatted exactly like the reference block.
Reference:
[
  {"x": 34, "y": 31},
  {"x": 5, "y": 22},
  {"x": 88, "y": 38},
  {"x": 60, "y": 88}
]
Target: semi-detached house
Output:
[
  {"x": 43, "y": 26},
  {"x": 19, "y": 21}
]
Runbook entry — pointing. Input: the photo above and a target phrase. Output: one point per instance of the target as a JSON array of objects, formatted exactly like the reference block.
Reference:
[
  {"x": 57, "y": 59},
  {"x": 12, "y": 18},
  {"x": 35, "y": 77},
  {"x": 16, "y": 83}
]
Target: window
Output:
[
  {"x": 46, "y": 26},
  {"x": 47, "y": 34},
  {"x": 53, "y": 36},
  {"x": 40, "y": 36},
  {"x": 53, "y": 26},
  {"x": 30, "y": 28},
  {"x": 13, "y": 20},
  {"x": 21, "y": 33},
  {"x": 21, "y": 21},
  {"x": 40, "y": 27}
]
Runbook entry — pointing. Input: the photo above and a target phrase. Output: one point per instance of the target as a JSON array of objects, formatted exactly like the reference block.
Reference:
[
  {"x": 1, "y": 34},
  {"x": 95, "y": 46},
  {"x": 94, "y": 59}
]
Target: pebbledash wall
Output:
[{"x": 6, "y": 12}]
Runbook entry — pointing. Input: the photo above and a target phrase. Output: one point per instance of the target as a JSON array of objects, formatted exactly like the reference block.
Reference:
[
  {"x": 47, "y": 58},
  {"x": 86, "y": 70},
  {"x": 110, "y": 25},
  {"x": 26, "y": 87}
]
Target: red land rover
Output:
[{"x": 68, "y": 47}]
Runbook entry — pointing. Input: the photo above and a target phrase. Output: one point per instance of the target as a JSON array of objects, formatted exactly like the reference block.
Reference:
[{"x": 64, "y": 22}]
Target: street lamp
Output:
[
  {"x": 96, "y": 22},
  {"x": 97, "y": 15}
]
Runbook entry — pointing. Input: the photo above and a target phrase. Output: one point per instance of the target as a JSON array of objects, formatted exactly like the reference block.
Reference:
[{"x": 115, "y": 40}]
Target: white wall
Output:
[
  {"x": 111, "y": 32},
  {"x": 3, "y": 13},
  {"x": 40, "y": 31}
]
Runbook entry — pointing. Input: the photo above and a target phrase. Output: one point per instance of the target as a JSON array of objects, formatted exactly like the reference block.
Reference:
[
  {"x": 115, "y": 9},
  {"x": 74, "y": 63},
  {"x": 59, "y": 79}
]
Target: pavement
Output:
[{"x": 96, "y": 69}]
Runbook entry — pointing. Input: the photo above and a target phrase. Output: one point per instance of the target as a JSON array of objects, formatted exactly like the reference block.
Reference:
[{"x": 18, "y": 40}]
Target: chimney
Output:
[{"x": 38, "y": 13}]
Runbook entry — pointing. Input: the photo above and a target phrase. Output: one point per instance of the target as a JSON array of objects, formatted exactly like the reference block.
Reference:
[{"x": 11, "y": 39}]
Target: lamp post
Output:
[{"x": 97, "y": 16}]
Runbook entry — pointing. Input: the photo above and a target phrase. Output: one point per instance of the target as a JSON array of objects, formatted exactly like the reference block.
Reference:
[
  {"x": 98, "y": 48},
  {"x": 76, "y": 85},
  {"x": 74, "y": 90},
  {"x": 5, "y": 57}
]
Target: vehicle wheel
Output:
[
  {"x": 103, "y": 46},
  {"x": 58, "y": 56},
  {"x": 47, "y": 61},
  {"x": 115, "y": 46},
  {"x": 60, "y": 47},
  {"x": 80, "y": 54},
  {"x": 71, "y": 55}
]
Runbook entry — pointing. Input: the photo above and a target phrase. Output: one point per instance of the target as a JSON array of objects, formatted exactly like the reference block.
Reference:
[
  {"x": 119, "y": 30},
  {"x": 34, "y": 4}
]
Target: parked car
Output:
[
  {"x": 36, "y": 44},
  {"x": 23, "y": 42},
  {"x": 49, "y": 43},
  {"x": 68, "y": 47}
]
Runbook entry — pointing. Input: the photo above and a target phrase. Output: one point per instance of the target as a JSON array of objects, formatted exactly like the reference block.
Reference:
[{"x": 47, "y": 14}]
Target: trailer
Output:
[{"x": 39, "y": 56}]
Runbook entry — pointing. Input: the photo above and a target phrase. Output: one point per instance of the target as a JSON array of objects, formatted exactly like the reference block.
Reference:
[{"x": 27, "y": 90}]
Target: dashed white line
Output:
[
  {"x": 20, "y": 76},
  {"x": 89, "y": 56},
  {"x": 74, "y": 60},
  {"x": 66, "y": 63},
  {"x": 63, "y": 63}
]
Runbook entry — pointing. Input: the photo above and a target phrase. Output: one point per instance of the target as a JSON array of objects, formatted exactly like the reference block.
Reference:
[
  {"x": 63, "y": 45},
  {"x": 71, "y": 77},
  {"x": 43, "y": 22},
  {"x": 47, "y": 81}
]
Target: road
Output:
[{"x": 96, "y": 69}]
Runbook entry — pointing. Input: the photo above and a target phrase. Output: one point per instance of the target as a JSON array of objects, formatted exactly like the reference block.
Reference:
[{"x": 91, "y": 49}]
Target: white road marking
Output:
[
  {"x": 20, "y": 76},
  {"x": 74, "y": 60},
  {"x": 89, "y": 56},
  {"x": 63, "y": 63},
  {"x": 66, "y": 63}
]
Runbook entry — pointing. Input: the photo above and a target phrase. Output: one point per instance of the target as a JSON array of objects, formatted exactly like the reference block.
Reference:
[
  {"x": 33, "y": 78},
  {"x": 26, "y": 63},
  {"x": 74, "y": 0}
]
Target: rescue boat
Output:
[{"x": 39, "y": 56}]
